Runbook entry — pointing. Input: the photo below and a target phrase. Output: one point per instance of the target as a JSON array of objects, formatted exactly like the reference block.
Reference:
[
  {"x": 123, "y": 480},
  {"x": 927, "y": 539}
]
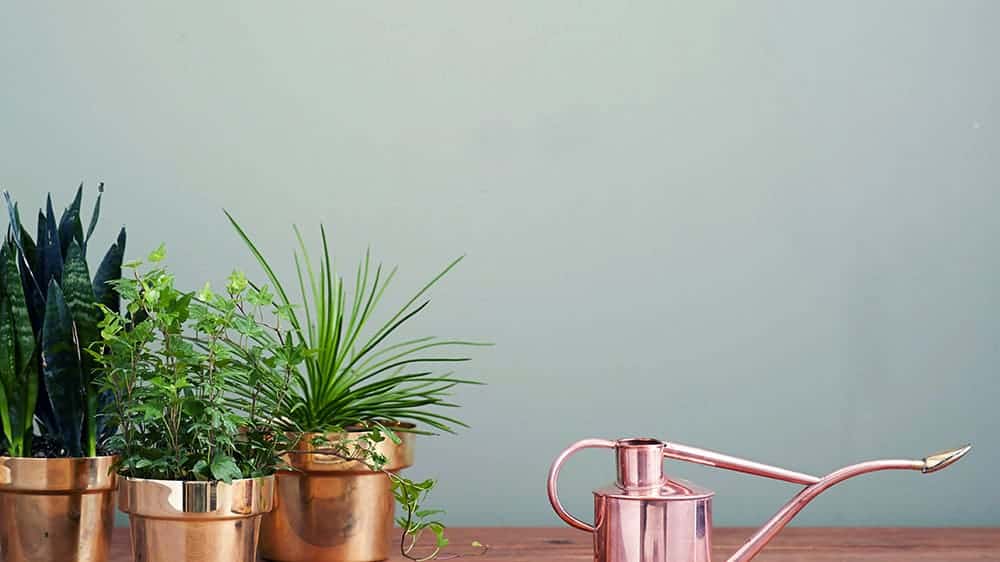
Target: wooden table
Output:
[{"x": 795, "y": 544}]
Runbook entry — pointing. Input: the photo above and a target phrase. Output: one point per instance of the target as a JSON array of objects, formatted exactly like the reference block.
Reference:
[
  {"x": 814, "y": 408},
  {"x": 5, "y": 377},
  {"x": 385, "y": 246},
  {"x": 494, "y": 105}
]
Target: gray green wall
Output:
[{"x": 767, "y": 228}]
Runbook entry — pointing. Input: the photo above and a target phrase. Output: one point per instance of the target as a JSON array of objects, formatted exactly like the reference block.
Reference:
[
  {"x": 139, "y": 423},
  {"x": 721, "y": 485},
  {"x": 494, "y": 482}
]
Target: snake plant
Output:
[{"x": 49, "y": 401}]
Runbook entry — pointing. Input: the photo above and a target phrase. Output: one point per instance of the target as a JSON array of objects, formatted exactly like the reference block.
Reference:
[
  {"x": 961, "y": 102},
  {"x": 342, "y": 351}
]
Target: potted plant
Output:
[
  {"x": 355, "y": 408},
  {"x": 56, "y": 482},
  {"x": 196, "y": 474}
]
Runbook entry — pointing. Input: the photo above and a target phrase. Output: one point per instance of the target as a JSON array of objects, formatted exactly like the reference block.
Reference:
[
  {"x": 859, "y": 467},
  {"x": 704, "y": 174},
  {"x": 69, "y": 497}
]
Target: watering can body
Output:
[
  {"x": 671, "y": 523},
  {"x": 645, "y": 516}
]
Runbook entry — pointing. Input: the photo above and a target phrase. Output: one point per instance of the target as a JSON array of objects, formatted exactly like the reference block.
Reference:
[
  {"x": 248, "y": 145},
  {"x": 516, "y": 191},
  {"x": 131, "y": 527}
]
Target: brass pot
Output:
[
  {"x": 173, "y": 520},
  {"x": 56, "y": 510},
  {"x": 331, "y": 510}
]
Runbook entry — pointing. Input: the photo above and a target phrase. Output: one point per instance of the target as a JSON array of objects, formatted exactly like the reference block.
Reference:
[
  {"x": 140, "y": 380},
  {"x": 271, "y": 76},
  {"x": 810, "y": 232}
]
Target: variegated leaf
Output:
[{"x": 62, "y": 370}]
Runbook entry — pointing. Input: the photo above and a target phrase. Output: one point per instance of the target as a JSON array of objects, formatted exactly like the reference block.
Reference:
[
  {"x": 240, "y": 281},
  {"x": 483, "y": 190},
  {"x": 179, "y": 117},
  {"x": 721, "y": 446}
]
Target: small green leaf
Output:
[
  {"x": 224, "y": 468},
  {"x": 158, "y": 254},
  {"x": 237, "y": 282},
  {"x": 200, "y": 468},
  {"x": 438, "y": 530},
  {"x": 151, "y": 412},
  {"x": 205, "y": 294},
  {"x": 193, "y": 406}
]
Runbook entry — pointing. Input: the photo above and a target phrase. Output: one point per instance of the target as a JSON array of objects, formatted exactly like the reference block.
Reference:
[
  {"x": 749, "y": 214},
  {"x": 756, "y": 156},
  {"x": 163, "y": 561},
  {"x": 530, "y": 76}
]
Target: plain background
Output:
[{"x": 766, "y": 228}]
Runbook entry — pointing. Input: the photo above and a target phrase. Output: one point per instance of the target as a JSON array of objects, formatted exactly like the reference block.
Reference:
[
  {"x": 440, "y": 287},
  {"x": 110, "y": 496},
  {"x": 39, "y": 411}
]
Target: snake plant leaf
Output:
[
  {"x": 26, "y": 245},
  {"x": 24, "y": 338},
  {"x": 62, "y": 370},
  {"x": 43, "y": 406},
  {"x": 70, "y": 227},
  {"x": 49, "y": 248},
  {"x": 79, "y": 295},
  {"x": 109, "y": 270},
  {"x": 41, "y": 236},
  {"x": 94, "y": 215},
  {"x": 27, "y": 249},
  {"x": 36, "y": 299},
  {"x": 44, "y": 253},
  {"x": 13, "y": 214},
  {"x": 8, "y": 367},
  {"x": 17, "y": 356}
]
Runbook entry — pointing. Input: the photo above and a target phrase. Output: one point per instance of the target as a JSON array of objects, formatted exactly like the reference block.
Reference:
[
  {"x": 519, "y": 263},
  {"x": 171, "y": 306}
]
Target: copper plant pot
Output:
[
  {"x": 56, "y": 510},
  {"x": 331, "y": 510},
  {"x": 173, "y": 520}
]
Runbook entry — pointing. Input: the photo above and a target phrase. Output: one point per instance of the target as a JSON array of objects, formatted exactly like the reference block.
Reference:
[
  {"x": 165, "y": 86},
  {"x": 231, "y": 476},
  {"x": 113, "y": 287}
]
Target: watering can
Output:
[{"x": 645, "y": 516}]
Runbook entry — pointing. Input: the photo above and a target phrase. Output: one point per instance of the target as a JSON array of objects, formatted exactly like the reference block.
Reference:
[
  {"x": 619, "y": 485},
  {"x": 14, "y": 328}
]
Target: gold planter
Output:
[
  {"x": 56, "y": 510},
  {"x": 176, "y": 521},
  {"x": 331, "y": 510}
]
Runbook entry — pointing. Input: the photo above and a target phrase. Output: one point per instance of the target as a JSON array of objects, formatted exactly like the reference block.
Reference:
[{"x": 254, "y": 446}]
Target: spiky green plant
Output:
[
  {"x": 354, "y": 376},
  {"x": 48, "y": 318}
]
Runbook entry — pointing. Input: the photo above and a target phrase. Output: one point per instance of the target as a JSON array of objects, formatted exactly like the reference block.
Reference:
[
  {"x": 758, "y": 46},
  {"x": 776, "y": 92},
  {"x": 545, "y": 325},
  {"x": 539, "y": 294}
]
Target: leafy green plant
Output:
[
  {"x": 171, "y": 359},
  {"x": 48, "y": 318},
  {"x": 355, "y": 377}
]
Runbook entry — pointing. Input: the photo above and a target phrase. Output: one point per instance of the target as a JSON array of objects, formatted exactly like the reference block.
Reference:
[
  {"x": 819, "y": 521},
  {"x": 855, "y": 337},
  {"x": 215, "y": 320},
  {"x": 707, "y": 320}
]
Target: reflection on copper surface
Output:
[
  {"x": 58, "y": 510},
  {"x": 332, "y": 510},
  {"x": 172, "y": 520}
]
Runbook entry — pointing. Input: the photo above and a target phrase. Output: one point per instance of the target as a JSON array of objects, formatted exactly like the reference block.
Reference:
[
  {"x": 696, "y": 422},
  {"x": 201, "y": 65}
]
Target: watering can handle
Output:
[{"x": 554, "y": 479}]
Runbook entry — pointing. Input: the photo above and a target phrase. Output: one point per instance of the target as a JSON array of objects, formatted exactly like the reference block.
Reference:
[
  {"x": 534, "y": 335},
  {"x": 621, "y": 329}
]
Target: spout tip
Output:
[{"x": 944, "y": 459}]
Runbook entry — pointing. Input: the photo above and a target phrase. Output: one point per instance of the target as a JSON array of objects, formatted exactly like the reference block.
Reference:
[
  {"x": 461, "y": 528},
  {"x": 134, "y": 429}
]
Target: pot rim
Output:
[
  {"x": 350, "y": 430},
  {"x": 4, "y": 458},
  {"x": 387, "y": 423},
  {"x": 196, "y": 499},
  {"x": 163, "y": 480},
  {"x": 58, "y": 475},
  {"x": 306, "y": 459},
  {"x": 357, "y": 429}
]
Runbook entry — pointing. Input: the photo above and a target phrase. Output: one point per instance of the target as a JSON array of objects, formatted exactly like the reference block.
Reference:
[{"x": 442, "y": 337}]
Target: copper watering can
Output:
[{"x": 646, "y": 517}]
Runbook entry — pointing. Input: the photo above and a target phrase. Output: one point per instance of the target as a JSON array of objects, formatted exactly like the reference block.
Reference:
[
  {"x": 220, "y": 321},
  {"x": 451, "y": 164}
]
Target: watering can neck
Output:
[
  {"x": 640, "y": 476},
  {"x": 640, "y": 463}
]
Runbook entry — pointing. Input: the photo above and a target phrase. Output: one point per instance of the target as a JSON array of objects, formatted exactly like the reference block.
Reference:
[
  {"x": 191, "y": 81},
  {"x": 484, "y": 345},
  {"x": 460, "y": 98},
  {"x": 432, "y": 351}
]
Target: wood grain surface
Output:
[{"x": 795, "y": 544}]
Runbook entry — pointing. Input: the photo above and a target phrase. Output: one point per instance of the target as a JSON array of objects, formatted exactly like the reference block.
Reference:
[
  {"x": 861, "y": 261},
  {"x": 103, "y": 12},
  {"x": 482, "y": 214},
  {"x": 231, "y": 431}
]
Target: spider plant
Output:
[
  {"x": 358, "y": 376},
  {"x": 353, "y": 376}
]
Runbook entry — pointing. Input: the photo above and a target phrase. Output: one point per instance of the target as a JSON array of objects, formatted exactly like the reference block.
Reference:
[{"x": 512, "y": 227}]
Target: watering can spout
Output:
[
  {"x": 944, "y": 459},
  {"x": 927, "y": 465}
]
